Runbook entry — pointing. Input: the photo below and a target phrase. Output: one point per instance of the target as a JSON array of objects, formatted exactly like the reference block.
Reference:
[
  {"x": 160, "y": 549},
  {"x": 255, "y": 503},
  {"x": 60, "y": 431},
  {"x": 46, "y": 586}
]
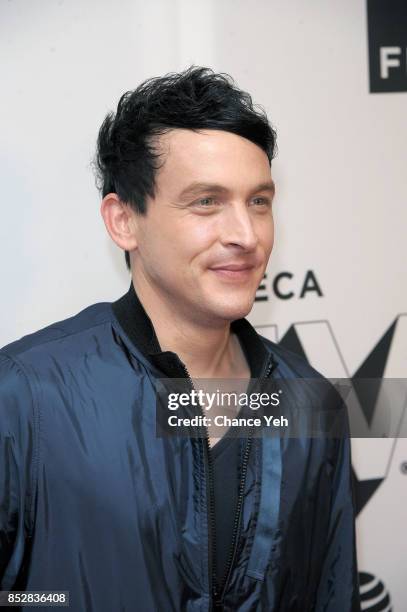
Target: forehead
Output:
[{"x": 209, "y": 156}]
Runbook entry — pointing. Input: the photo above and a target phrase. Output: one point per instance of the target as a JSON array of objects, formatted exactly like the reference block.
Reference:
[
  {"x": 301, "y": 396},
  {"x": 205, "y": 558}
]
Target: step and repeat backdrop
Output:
[{"x": 332, "y": 77}]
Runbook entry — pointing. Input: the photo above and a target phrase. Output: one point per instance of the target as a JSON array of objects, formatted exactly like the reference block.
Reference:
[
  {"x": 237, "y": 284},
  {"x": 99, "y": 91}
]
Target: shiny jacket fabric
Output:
[{"x": 93, "y": 503}]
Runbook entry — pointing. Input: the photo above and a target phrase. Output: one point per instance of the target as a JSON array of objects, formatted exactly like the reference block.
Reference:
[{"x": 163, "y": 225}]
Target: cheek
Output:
[
  {"x": 177, "y": 252},
  {"x": 203, "y": 233},
  {"x": 157, "y": 253},
  {"x": 197, "y": 237},
  {"x": 271, "y": 241},
  {"x": 266, "y": 235}
]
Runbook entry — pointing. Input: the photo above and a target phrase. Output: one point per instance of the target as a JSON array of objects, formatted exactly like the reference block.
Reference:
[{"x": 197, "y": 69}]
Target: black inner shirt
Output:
[{"x": 225, "y": 461}]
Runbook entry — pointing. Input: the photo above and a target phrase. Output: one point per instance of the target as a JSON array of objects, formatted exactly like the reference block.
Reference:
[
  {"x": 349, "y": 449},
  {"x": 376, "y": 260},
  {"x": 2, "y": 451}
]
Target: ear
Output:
[{"x": 120, "y": 221}]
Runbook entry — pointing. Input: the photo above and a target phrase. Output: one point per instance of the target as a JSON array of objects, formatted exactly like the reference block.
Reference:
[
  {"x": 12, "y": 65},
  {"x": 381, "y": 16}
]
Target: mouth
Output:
[{"x": 234, "y": 272}]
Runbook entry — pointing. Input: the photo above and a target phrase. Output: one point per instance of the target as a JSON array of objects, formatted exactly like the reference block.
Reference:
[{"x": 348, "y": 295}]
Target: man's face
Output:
[{"x": 205, "y": 241}]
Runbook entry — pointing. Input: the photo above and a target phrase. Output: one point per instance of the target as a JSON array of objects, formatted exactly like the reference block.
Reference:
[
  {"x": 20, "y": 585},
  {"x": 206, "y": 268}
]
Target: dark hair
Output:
[{"x": 197, "y": 98}]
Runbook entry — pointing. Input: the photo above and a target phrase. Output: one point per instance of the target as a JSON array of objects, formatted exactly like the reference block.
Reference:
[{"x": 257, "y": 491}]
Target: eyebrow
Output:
[{"x": 197, "y": 187}]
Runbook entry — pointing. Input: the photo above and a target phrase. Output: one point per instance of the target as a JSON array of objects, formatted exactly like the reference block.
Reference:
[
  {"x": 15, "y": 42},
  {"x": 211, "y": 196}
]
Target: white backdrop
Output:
[{"x": 340, "y": 174}]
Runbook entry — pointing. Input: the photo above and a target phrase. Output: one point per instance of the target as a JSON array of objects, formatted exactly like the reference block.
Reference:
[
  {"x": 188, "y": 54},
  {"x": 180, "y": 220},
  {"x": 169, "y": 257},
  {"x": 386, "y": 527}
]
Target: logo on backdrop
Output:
[
  {"x": 286, "y": 286},
  {"x": 373, "y": 594},
  {"x": 387, "y": 39},
  {"x": 313, "y": 338}
]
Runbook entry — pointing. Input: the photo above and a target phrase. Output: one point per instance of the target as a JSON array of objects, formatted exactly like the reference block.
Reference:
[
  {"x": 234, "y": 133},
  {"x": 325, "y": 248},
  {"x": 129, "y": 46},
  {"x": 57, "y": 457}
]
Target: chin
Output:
[{"x": 239, "y": 310}]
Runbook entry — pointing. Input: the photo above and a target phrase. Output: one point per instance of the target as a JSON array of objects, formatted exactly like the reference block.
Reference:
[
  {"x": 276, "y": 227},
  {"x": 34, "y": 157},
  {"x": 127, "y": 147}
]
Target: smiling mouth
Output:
[{"x": 241, "y": 273}]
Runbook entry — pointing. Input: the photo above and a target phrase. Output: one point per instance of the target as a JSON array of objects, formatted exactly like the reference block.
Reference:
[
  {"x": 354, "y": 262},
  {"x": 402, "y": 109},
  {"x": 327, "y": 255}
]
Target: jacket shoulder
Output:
[
  {"x": 315, "y": 388},
  {"x": 290, "y": 363},
  {"x": 49, "y": 337}
]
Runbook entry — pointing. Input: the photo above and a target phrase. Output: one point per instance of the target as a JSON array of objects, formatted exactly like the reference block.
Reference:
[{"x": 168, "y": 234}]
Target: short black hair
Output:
[{"x": 126, "y": 160}]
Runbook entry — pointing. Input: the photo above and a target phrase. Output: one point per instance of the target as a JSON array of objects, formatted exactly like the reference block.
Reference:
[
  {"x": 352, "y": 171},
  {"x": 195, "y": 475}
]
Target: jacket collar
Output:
[{"x": 138, "y": 326}]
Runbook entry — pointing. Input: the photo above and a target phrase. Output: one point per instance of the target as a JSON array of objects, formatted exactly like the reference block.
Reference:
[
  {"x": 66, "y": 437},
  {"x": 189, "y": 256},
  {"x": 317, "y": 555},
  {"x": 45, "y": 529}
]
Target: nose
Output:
[{"x": 238, "y": 228}]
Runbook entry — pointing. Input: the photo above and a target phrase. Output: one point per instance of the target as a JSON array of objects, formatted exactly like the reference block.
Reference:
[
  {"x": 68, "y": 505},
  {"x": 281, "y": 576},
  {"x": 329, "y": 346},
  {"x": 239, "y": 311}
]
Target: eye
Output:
[
  {"x": 205, "y": 202},
  {"x": 261, "y": 201}
]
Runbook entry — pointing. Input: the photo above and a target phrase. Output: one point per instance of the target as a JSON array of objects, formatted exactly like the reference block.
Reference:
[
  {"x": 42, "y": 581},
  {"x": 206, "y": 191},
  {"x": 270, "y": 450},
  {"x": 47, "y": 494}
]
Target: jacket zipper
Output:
[
  {"x": 239, "y": 507},
  {"x": 210, "y": 495},
  {"x": 218, "y": 594},
  {"x": 238, "y": 515}
]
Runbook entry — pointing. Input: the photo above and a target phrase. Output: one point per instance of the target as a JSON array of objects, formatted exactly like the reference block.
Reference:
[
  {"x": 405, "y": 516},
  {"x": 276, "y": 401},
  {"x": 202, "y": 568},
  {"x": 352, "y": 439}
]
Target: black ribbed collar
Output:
[{"x": 138, "y": 326}]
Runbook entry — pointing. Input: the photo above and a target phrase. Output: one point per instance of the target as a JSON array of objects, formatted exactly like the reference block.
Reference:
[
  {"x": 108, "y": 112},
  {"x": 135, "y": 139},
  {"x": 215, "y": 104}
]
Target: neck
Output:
[{"x": 208, "y": 351}]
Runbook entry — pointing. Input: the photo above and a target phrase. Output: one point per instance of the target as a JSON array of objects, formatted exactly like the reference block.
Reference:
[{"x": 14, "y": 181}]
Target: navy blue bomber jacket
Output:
[{"x": 94, "y": 503}]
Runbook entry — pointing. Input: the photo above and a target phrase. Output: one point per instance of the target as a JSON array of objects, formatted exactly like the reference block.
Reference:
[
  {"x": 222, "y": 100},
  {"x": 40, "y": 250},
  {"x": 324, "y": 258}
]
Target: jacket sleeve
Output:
[
  {"x": 17, "y": 454},
  {"x": 338, "y": 589}
]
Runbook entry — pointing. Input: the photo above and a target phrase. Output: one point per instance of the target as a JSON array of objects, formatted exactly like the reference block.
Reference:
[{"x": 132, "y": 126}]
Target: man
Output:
[{"x": 94, "y": 502}]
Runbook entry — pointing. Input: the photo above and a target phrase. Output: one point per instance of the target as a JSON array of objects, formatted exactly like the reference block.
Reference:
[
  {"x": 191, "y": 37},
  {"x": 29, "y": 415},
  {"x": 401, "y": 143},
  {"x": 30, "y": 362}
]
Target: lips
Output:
[
  {"x": 234, "y": 267},
  {"x": 236, "y": 272}
]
